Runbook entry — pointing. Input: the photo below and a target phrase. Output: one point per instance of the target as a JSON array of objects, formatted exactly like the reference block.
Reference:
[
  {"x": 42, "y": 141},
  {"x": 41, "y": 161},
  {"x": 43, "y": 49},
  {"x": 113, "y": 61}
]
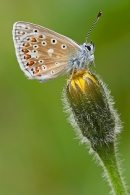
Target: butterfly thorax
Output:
[{"x": 84, "y": 57}]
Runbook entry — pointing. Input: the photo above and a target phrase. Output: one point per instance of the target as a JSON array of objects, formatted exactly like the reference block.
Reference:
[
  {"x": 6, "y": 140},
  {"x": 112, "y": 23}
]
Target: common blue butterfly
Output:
[{"x": 44, "y": 54}]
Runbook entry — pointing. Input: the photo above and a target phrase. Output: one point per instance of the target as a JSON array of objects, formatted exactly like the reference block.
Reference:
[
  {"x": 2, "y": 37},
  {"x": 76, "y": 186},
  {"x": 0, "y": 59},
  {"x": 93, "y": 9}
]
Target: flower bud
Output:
[{"x": 91, "y": 109}]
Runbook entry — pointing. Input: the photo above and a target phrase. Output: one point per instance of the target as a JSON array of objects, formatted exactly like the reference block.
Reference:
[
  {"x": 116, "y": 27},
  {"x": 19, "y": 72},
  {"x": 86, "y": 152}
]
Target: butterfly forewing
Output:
[{"x": 43, "y": 54}]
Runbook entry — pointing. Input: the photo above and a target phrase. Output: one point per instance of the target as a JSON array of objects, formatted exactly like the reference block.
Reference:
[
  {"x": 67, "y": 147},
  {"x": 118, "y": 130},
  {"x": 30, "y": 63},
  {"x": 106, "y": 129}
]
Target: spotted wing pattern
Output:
[{"x": 42, "y": 53}]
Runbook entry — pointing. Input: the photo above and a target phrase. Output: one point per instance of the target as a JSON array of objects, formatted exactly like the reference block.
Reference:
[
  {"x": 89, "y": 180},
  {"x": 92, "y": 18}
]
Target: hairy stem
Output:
[{"x": 112, "y": 170}]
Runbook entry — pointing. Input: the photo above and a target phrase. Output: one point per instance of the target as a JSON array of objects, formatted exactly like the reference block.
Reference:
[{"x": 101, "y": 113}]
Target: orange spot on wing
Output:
[
  {"x": 40, "y": 36},
  {"x": 36, "y": 72},
  {"x": 25, "y": 51},
  {"x": 27, "y": 56},
  {"x": 26, "y": 44},
  {"x": 33, "y": 39},
  {"x": 30, "y": 63}
]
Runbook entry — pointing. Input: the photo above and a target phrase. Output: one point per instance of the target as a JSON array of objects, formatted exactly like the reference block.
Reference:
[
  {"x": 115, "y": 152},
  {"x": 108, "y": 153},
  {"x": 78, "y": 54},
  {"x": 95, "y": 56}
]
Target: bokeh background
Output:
[{"x": 39, "y": 154}]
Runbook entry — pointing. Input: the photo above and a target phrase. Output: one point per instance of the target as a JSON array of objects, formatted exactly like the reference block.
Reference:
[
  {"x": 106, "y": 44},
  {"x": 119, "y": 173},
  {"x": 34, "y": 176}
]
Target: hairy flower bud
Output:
[{"x": 91, "y": 109}]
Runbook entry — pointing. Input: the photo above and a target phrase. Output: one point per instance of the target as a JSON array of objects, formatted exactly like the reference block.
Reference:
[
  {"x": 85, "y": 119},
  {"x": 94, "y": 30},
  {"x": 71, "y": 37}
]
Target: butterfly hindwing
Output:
[{"x": 43, "y": 54}]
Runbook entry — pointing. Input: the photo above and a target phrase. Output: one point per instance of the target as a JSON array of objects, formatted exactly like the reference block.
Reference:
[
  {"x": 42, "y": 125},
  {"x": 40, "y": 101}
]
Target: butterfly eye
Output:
[{"x": 88, "y": 47}]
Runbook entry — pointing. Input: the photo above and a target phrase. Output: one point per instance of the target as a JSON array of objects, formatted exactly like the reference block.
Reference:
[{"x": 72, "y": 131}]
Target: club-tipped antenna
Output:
[{"x": 98, "y": 16}]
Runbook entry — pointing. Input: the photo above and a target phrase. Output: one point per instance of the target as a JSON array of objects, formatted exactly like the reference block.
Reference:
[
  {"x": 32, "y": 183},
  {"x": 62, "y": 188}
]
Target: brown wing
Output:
[{"x": 43, "y": 54}]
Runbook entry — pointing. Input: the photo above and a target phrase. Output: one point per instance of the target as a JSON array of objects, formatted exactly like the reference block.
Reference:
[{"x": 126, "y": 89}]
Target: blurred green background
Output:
[{"x": 38, "y": 152}]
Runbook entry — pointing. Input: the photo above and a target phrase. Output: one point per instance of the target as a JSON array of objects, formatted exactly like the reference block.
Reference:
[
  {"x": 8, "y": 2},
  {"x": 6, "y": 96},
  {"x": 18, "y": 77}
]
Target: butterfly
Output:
[{"x": 44, "y": 54}]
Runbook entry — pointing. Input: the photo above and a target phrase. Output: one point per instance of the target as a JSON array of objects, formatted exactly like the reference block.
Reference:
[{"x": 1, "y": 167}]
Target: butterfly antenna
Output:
[{"x": 98, "y": 16}]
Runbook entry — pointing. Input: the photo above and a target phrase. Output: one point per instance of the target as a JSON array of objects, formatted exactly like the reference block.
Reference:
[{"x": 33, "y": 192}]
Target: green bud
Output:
[{"x": 91, "y": 109}]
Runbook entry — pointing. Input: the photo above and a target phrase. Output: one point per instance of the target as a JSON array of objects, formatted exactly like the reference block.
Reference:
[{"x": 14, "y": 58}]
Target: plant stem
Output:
[{"x": 107, "y": 155}]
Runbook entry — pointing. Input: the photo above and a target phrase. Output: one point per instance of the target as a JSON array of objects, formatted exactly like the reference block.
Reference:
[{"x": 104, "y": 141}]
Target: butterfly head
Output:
[
  {"x": 89, "y": 52},
  {"x": 89, "y": 48}
]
